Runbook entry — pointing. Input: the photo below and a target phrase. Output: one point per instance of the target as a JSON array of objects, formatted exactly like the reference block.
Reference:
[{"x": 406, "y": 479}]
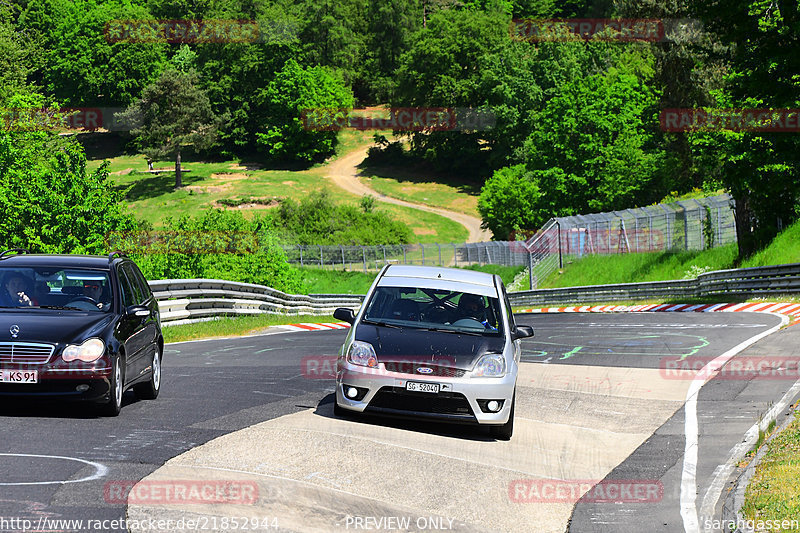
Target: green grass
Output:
[
  {"x": 506, "y": 273},
  {"x": 774, "y": 490},
  {"x": 319, "y": 281},
  {"x": 151, "y": 197},
  {"x": 234, "y": 326},
  {"x": 784, "y": 249},
  {"x": 629, "y": 268},
  {"x": 661, "y": 266},
  {"x": 444, "y": 192}
]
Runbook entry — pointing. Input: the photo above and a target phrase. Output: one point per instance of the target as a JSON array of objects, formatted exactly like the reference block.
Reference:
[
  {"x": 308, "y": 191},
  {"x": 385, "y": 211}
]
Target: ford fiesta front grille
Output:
[
  {"x": 414, "y": 368},
  {"x": 31, "y": 353}
]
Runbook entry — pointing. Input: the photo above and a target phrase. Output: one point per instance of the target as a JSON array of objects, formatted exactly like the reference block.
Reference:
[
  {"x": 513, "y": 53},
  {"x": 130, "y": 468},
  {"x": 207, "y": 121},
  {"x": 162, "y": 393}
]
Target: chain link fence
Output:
[
  {"x": 684, "y": 225},
  {"x": 371, "y": 258}
]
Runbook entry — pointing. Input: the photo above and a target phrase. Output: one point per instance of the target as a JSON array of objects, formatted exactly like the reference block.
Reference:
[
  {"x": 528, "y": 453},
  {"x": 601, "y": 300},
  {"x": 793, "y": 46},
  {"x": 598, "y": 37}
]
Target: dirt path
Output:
[{"x": 344, "y": 173}]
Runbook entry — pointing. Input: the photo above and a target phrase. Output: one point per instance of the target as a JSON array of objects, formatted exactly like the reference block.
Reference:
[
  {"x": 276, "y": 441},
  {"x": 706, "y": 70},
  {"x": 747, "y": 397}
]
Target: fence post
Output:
[
  {"x": 440, "y": 253},
  {"x": 560, "y": 259},
  {"x": 455, "y": 254},
  {"x": 364, "y": 256},
  {"x": 384, "y": 253},
  {"x": 404, "y": 255},
  {"x": 321, "y": 260},
  {"x": 301, "y": 255},
  {"x": 343, "y": 266},
  {"x": 423, "y": 254},
  {"x": 530, "y": 269}
]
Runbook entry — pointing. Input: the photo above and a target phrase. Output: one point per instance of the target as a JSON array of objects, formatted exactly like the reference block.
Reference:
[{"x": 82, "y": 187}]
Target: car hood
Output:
[
  {"x": 52, "y": 326},
  {"x": 432, "y": 347}
]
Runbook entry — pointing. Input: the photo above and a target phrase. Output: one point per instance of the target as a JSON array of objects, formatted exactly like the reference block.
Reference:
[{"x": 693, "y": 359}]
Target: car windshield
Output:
[
  {"x": 55, "y": 288},
  {"x": 434, "y": 309}
]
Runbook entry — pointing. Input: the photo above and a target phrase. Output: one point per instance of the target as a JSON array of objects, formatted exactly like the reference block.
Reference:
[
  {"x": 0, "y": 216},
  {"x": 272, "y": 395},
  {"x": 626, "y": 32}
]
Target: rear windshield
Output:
[
  {"x": 436, "y": 309},
  {"x": 55, "y": 288}
]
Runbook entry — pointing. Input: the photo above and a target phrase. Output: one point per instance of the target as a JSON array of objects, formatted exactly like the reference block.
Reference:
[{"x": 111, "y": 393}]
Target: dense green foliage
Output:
[
  {"x": 48, "y": 201},
  {"x": 317, "y": 220},
  {"x": 216, "y": 245},
  {"x": 576, "y": 122}
]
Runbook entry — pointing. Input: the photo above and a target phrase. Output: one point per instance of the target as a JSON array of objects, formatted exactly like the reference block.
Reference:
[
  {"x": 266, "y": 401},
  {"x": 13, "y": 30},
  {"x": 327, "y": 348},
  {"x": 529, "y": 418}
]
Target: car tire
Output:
[
  {"x": 505, "y": 431},
  {"x": 150, "y": 389},
  {"x": 113, "y": 405}
]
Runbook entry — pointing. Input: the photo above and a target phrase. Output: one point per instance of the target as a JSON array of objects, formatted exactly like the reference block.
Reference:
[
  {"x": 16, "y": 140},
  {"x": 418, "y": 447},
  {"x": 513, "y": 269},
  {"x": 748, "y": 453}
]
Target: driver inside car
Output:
[
  {"x": 94, "y": 290},
  {"x": 471, "y": 306}
]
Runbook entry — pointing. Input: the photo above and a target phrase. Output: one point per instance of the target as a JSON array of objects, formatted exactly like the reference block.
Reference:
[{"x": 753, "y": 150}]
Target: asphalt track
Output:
[{"x": 593, "y": 404}]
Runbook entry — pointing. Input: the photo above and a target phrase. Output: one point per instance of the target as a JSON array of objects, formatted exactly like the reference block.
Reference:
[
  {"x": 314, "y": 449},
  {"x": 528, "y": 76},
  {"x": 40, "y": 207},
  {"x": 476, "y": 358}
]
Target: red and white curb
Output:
[
  {"x": 791, "y": 310},
  {"x": 307, "y": 326}
]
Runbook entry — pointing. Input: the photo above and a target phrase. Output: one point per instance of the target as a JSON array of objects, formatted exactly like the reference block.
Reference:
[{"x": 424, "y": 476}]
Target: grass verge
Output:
[
  {"x": 774, "y": 490},
  {"x": 234, "y": 326}
]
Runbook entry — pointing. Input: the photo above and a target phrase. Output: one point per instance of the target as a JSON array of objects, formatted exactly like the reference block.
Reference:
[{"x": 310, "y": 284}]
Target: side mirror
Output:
[
  {"x": 344, "y": 314},
  {"x": 139, "y": 311},
  {"x": 521, "y": 332}
]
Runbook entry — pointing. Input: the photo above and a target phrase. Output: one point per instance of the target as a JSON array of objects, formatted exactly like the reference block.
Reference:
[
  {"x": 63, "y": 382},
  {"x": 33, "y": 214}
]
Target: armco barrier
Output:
[
  {"x": 186, "y": 299},
  {"x": 757, "y": 281}
]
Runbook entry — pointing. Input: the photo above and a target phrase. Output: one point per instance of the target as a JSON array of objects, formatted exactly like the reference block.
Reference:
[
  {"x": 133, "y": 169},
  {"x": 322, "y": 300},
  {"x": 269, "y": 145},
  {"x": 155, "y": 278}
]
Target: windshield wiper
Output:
[
  {"x": 459, "y": 331},
  {"x": 380, "y": 323}
]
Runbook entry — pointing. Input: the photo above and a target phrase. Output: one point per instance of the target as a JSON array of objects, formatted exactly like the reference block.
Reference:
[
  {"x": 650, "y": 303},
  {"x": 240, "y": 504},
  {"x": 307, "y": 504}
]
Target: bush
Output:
[
  {"x": 316, "y": 220},
  {"x": 218, "y": 245}
]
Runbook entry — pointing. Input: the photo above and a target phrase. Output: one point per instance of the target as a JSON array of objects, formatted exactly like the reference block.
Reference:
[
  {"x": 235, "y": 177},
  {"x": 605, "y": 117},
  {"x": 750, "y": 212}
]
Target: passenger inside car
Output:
[{"x": 16, "y": 291}]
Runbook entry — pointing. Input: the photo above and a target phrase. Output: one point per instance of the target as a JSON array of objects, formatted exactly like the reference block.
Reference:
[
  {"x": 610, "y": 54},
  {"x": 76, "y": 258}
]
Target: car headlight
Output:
[
  {"x": 363, "y": 354},
  {"x": 90, "y": 350},
  {"x": 491, "y": 365}
]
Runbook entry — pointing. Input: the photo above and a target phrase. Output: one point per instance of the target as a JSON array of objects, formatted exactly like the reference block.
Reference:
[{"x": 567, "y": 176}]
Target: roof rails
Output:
[
  {"x": 115, "y": 253},
  {"x": 14, "y": 251}
]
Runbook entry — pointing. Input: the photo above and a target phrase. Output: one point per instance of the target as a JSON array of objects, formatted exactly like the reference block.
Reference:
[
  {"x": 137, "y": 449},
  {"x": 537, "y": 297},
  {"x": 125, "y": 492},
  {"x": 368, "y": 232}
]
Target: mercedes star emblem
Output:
[{"x": 14, "y": 331}]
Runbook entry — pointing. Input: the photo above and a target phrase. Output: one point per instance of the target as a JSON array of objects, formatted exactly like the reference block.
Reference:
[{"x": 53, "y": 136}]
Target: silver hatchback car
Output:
[{"x": 432, "y": 342}]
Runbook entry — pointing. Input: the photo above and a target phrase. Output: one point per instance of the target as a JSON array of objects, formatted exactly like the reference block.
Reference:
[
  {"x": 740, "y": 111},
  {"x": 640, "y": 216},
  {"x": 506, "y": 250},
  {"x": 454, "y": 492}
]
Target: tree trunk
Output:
[
  {"x": 178, "y": 182},
  {"x": 743, "y": 215}
]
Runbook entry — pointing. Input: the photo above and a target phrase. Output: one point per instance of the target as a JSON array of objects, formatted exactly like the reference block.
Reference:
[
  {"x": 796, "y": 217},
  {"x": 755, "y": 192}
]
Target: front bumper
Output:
[
  {"x": 460, "y": 399},
  {"x": 81, "y": 385}
]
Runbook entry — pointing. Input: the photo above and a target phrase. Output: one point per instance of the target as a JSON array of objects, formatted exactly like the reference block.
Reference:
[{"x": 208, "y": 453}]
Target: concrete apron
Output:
[{"x": 309, "y": 471}]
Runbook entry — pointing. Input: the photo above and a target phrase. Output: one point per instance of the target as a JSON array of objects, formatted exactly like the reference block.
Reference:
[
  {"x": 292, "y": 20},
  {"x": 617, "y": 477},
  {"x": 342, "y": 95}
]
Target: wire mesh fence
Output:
[
  {"x": 684, "y": 225},
  {"x": 370, "y": 258},
  {"x": 696, "y": 224}
]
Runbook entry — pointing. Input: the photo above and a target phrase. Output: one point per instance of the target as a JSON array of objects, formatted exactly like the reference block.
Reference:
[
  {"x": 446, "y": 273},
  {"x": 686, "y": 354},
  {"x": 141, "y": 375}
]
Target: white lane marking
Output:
[
  {"x": 722, "y": 472},
  {"x": 229, "y": 338},
  {"x": 100, "y": 470},
  {"x": 691, "y": 430}
]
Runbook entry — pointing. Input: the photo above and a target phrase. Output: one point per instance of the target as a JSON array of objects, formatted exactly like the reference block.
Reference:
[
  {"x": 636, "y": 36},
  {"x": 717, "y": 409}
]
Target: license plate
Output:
[
  {"x": 19, "y": 376},
  {"x": 416, "y": 386}
]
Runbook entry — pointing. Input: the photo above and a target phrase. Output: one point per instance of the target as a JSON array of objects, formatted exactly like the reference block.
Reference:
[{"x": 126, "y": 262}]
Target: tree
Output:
[
  {"x": 509, "y": 202},
  {"x": 761, "y": 170},
  {"x": 284, "y": 136},
  {"x": 49, "y": 203},
  {"x": 84, "y": 65},
  {"x": 175, "y": 115}
]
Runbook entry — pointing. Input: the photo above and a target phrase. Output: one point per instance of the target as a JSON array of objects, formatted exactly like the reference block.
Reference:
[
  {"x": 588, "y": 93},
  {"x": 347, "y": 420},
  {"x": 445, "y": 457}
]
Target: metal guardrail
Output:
[
  {"x": 191, "y": 299},
  {"x": 756, "y": 281}
]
